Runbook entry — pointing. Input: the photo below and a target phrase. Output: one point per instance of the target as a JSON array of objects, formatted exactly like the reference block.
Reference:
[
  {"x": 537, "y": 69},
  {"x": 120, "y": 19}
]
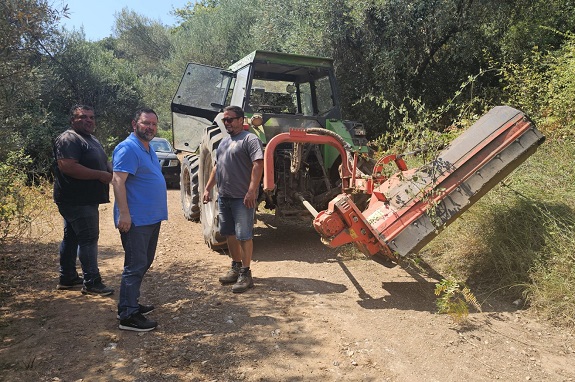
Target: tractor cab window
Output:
[
  {"x": 273, "y": 97},
  {"x": 316, "y": 97},
  {"x": 324, "y": 95},
  {"x": 283, "y": 89}
]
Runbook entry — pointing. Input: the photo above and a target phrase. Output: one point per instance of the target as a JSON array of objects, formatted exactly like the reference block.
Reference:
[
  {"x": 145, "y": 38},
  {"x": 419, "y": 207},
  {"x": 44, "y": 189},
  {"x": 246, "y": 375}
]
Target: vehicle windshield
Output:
[
  {"x": 161, "y": 145},
  {"x": 289, "y": 90}
]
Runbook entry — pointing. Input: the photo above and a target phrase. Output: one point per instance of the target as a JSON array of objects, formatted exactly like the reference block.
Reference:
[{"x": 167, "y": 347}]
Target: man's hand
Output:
[
  {"x": 250, "y": 200},
  {"x": 124, "y": 222},
  {"x": 206, "y": 197},
  {"x": 105, "y": 177}
]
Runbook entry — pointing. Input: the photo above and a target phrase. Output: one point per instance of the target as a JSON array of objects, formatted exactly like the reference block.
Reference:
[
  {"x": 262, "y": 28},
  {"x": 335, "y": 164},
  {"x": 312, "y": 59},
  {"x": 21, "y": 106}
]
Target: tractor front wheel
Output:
[
  {"x": 209, "y": 211},
  {"x": 189, "y": 193}
]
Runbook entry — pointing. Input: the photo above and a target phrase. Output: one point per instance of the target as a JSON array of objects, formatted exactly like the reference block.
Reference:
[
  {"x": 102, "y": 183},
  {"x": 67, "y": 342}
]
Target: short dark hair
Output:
[
  {"x": 79, "y": 106},
  {"x": 144, "y": 110},
  {"x": 239, "y": 112}
]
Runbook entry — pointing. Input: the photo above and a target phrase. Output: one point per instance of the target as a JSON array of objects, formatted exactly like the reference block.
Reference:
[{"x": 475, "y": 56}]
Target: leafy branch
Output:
[{"x": 454, "y": 299}]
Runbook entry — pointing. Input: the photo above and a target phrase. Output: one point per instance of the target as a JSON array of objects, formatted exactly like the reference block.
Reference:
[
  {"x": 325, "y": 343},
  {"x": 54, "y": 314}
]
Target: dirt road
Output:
[{"x": 315, "y": 314}]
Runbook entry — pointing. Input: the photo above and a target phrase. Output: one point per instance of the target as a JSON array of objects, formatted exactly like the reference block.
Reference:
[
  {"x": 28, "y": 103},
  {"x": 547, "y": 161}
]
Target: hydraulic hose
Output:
[{"x": 321, "y": 131}]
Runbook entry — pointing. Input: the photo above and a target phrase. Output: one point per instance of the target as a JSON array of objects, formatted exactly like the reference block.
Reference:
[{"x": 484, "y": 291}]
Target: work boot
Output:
[
  {"x": 232, "y": 275},
  {"x": 97, "y": 287},
  {"x": 244, "y": 282}
]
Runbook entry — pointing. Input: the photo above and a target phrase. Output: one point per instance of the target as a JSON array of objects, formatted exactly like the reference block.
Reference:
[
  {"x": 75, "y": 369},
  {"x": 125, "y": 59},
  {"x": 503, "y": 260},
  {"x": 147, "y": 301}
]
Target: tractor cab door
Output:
[{"x": 201, "y": 95}]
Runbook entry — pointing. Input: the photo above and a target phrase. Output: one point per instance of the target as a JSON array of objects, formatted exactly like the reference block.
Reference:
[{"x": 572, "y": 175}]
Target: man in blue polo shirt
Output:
[{"x": 140, "y": 206}]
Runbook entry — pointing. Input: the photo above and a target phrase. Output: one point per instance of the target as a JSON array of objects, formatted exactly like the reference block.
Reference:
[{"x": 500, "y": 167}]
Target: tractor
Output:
[
  {"x": 278, "y": 92},
  {"x": 316, "y": 163}
]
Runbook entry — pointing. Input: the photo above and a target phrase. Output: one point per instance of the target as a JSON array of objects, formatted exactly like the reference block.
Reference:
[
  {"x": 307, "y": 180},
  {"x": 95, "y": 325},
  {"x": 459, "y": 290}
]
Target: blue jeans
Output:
[
  {"x": 81, "y": 232},
  {"x": 139, "y": 244},
  {"x": 235, "y": 218}
]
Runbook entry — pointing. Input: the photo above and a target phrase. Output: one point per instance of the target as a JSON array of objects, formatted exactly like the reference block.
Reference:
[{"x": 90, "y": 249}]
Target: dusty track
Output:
[{"x": 315, "y": 314}]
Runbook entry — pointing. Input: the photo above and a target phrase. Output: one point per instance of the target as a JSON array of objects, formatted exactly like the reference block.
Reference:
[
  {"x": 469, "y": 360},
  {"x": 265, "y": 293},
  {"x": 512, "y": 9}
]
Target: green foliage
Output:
[
  {"x": 530, "y": 24},
  {"x": 519, "y": 237},
  {"x": 525, "y": 84},
  {"x": 20, "y": 204},
  {"x": 94, "y": 76},
  {"x": 217, "y": 32},
  {"x": 562, "y": 86},
  {"x": 141, "y": 40},
  {"x": 147, "y": 45},
  {"x": 295, "y": 26},
  {"x": 543, "y": 85},
  {"x": 26, "y": 29},
  {"x": 417, "y": 129},
  {"x": 454, "y": 298},
  {"x": 550, "y": 291}
]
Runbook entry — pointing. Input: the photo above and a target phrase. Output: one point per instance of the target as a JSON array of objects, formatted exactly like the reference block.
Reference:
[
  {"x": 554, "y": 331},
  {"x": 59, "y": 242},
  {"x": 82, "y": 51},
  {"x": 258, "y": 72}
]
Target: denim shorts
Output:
[{"x": 235, "y": 218}]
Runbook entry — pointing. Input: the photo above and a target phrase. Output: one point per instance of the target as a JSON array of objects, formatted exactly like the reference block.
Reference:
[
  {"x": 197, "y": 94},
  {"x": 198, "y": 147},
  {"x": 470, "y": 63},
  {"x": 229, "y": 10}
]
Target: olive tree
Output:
[{"x": 26, "y": 30}]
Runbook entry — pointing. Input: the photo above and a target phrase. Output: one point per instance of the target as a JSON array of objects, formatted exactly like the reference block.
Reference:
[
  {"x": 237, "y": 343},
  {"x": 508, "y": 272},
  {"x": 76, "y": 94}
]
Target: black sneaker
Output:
[
  {"x": 144, "y": 309},
  {"x": 244, "y": 282},
  {"x": 137, "y": 322},
  {"x": 75, "y": 283},
  {"x": 97, "y": 287},
  {"x": 231, "y": 276}
]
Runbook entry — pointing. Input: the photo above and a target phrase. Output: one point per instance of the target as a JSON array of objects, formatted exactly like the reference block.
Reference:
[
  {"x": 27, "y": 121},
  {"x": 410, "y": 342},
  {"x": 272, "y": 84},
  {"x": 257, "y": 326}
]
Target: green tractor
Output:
[{"x": 279, "y": 93}]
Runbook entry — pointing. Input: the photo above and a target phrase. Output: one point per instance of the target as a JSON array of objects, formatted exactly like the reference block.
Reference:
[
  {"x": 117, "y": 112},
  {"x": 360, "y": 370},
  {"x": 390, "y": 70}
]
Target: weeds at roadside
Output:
[
  {"x": 21, "y": 204},
  {"x": 454, "y": 299},
  {"x": 520, "y": 238}
]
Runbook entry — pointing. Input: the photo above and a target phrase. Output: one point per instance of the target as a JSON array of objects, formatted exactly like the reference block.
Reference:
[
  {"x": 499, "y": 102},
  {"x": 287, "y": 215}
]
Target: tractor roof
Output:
[{"x": 278, "y": 61}]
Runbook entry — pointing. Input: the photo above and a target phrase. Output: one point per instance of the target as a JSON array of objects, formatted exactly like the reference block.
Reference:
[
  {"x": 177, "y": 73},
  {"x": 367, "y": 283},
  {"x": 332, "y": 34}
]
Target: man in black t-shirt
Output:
[{"x": 81, "y": 184}]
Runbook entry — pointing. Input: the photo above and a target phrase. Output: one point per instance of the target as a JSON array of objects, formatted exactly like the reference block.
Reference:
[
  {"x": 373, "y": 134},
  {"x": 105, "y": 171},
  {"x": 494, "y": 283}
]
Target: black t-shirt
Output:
[{"x": 88, "y": 151}]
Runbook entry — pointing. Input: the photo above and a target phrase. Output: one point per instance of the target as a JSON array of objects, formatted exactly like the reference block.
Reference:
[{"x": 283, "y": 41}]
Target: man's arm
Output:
[
  {"x": 72, "y": 168},
  {"x": 250, "y": 200},
  {"x": 119, "y": 185},
  {"x": 209, "y": 185}
]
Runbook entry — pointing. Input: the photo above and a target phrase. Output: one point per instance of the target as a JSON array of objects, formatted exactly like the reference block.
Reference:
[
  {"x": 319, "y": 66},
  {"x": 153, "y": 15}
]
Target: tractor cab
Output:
[{"x": 287, "y": 91}]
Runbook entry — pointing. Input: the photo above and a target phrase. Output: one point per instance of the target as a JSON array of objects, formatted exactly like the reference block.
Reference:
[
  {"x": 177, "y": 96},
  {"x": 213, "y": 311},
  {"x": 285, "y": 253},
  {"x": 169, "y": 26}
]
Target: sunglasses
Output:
[{"x": 228, "y": 120}]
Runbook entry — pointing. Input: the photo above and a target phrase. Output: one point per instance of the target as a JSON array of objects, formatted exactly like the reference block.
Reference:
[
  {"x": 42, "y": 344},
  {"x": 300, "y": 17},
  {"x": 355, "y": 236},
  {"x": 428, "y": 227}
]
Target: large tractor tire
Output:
[
  {"x": 189, "y": 192},
  {"x": 209, "y": 211}
]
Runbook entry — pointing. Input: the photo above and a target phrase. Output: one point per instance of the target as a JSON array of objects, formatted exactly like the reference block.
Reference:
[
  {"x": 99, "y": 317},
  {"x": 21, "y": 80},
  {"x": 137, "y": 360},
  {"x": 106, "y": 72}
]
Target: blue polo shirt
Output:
[{"x": 145, "y": 185}]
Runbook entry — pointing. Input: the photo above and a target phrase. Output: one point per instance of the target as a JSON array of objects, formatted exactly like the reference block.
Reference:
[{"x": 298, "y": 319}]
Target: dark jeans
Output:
[
  {"x": 81, "y": 232},
  {"x": 139, "y": 244}
]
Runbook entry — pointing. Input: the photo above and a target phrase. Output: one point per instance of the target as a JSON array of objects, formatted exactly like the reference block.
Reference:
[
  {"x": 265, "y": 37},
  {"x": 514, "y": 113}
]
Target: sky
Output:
[{"x": 97, "y": 17}]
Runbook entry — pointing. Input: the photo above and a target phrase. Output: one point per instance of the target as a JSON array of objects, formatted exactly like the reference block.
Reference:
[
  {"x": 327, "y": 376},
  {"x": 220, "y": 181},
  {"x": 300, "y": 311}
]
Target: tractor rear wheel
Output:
[
  {"x": 209, "y": 211},
  {"x": 189, "y": 193}
]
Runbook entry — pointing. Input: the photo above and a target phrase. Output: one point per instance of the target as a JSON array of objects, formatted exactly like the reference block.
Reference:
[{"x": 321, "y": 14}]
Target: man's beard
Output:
[{"x": 145, "y": 135}]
